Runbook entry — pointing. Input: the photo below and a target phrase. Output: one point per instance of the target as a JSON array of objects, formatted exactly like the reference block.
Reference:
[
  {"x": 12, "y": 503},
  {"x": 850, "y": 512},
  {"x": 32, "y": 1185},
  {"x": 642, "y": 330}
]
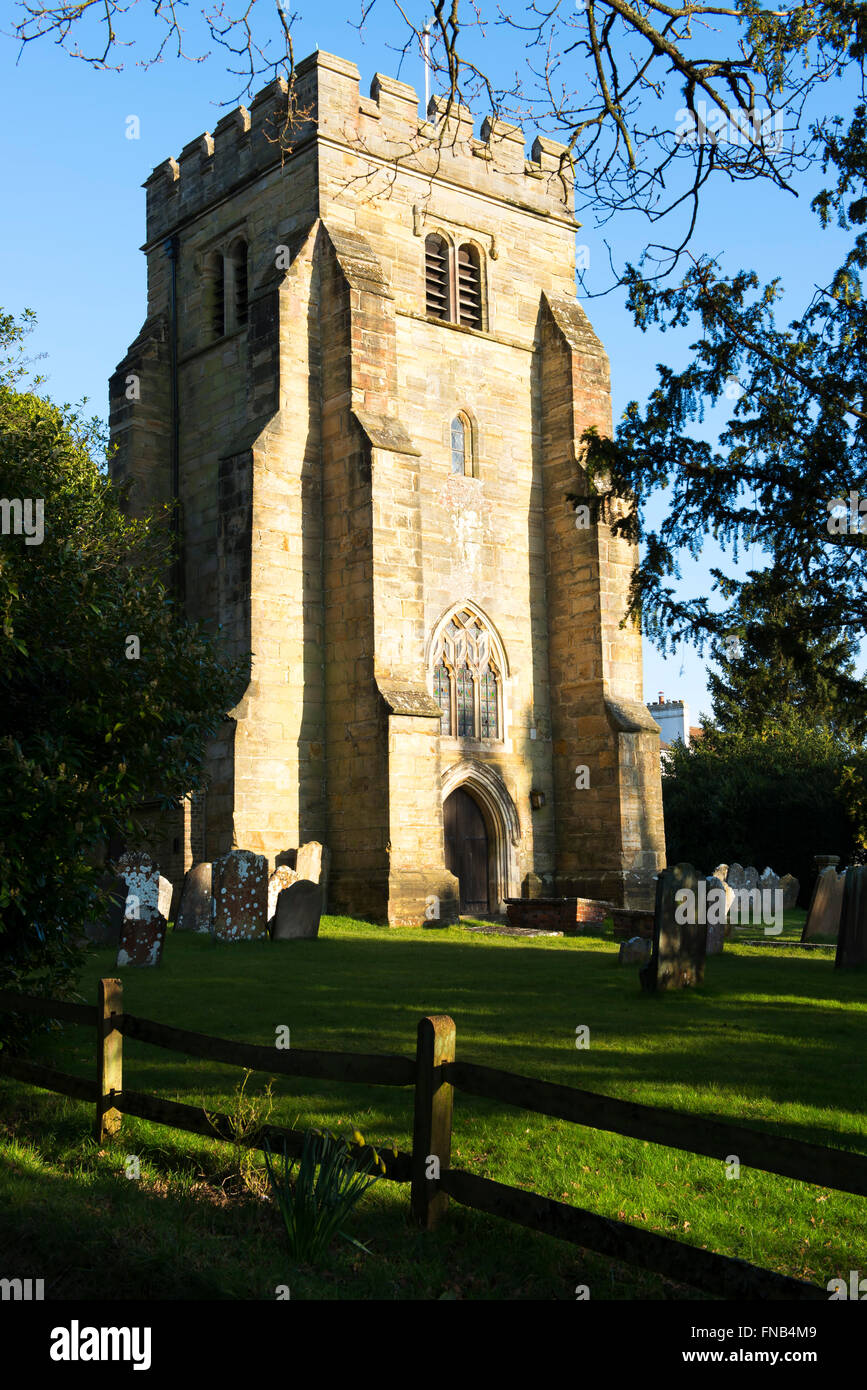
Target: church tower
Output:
[{"x": 364, "y": 377}]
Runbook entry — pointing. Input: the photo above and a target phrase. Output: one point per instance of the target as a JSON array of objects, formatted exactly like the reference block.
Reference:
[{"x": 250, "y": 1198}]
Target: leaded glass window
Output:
[
  {"x": 488, "y": 706},
  {"x": 466, "y": 693},
  {"x": 443, "y": 696}
]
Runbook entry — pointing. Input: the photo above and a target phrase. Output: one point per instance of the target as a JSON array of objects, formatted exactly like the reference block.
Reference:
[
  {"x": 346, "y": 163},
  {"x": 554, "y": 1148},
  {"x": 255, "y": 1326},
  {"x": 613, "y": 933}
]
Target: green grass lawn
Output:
[{"x": 774, "y": 1039}]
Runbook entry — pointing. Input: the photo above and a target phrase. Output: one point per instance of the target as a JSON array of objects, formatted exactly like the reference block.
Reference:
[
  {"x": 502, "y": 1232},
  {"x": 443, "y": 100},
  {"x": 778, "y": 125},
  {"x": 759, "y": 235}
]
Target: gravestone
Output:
[
  {"x": 769, "y": 880},
  {"x": 164, "y": 897},
  {"x": 721, "y": 872},
  {"x": 735, "y": 876},
  {"x": 281, "y": 878},
  {"x": 751, "y": 877},
  {"x": 142, "y": 879},
  {"x": 194, "y": 913},
  {"x": 714, "y": 885},
  {"x": 298, "y": 911},
  {"x": 105, "y": 929},
  {"x": 823, "y": 918},
  {"x": 716, "y": 938},
  {"x": 142, "y": 939},
  {"x": 852, "y": 941},
  {"x": 679, "y": 940},
  {"x": 790, "y": 889},
  {"x": 532, "y": 886},
  {"x": 313, "y": 863},
  {"x": 635, "y": 951},
  {"x": 240, "y": 890},
  {"x": 825, "y": 861}
]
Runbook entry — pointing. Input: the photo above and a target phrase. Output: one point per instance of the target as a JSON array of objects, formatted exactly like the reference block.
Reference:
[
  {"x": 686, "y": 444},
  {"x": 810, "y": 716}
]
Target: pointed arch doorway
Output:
[
  {"x": 466, "y": 850},
  {"x": 481, "y": 837}
]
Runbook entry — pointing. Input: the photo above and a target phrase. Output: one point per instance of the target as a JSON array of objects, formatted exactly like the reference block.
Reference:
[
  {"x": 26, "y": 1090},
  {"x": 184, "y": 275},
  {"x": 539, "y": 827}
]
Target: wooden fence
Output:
[{"x": 435, "y": 1074}]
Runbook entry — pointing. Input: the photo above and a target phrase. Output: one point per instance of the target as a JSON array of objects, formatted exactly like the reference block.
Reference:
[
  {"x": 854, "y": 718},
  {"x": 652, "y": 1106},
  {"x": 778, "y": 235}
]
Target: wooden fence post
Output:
[
  {"x": 109, "y": 1056},
  {"x": 432, "y": 1126}
]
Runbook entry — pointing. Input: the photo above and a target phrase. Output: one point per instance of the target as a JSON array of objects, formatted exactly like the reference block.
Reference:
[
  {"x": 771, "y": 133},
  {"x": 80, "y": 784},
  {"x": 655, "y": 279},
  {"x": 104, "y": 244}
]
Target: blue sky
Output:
[{"x": 74, "y": 220}]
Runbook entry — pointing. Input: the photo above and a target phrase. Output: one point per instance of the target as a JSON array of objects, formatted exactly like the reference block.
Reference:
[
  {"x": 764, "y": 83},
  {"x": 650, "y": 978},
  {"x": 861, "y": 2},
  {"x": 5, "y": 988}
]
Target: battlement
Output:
[{"x": 384, "y": 128}]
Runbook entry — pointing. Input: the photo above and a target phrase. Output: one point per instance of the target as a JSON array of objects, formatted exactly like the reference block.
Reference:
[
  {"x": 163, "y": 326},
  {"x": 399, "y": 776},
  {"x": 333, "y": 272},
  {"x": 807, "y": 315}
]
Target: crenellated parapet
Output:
[{"x": 326, "y": 104}]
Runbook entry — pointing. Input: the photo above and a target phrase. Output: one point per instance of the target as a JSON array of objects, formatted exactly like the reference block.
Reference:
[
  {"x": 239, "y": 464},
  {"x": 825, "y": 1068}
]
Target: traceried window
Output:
[
  {"x": 437, "y": 278},
  {"x": 467, "y": 679}
]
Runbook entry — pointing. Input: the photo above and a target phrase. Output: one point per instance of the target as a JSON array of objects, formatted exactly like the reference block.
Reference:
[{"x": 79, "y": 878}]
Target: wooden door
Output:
[{"x": 466, "y": 846}]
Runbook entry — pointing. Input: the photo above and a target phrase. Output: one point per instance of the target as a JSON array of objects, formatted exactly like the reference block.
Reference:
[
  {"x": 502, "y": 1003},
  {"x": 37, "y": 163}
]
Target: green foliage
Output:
[
  {"x": 86, "y": 733},
  {"x": 315, "y": 1205},
  {"x": 774, "y": 796},
  {"x": 771, "y": 664}
]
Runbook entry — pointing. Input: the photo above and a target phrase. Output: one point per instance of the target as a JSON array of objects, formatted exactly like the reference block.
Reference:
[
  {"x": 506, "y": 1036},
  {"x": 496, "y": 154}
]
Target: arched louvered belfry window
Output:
[
  {"x": 215, "y": 295},
  {"x": 437, "y": 278},
  {"x": 238, "y": 258},
  {"x": 467, "y": 678},
  {"x": 469, "y": 287}
]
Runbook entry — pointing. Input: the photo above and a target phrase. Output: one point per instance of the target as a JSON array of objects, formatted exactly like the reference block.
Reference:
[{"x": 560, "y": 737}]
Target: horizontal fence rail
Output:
[
  {"x": 687, "y": 1264},
  {"x": 378, "y": 1069},
  {"x": 791, "y": 1158},
  {"x": 435, "y": 1075}
]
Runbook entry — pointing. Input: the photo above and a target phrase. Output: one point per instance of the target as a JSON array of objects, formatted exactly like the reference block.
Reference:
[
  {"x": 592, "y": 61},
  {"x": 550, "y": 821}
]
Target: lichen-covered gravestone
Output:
[
  {"x": 751, "y": 877},
  {"x": 281, "y": 878},
  {"x": 241, "y": 896},
  {"x": 143, "y": 933},
  {"x": 852, "y": 941},
  {"x": 679, "y": 939},
  {"x": 735, "y": 876},
  {"x": 823, "y": 918},
  {"x": 298, "y": 910},
  {"x": 194, "y": 913},
  {"x": 164, "y": 897},
  {"x": 716, "y": 938}
]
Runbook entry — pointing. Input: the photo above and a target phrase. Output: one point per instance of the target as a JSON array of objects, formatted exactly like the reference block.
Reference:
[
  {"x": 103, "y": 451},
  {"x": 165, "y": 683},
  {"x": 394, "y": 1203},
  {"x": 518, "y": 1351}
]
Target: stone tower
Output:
[{"x": 364, "y": 376}]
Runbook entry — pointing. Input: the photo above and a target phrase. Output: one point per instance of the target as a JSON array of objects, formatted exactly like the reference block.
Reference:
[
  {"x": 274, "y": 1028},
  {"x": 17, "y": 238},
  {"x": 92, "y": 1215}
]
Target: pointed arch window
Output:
[
  {"x": 461, "y": 445},
  {"x": 437, "y": 278},
  {"x": 467, "y": 679}
]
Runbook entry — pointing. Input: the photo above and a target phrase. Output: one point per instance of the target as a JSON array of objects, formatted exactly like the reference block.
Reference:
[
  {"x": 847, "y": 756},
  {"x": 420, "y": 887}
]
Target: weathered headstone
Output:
[
  {"x": 769, "y": 880},
  {"x": 716, "y": 938},
  {"x": 281, "y": 878},
  {"x": 852, "y": 941},
  {"x": 715, "y": 885},
  {"x": 823, "y": 918},
  {"x": 532, "y": 886},
  {"x": 635, "y": 951},
  {"x": 751, "y": 877},
  {"x": 721, "y": 872},
  {"x": 790, "y": 889},
  {"x": 313, "y": 863},
  {"x": 679, "y": 939},
  {"x": 240, "y": 888},
  {"x": 194, "y": 913},
  {"x": 105, "y": 929},
  {"x": 142, "y": 939},
  {"x": 164, "y": 897},
  {"x": 735, "y": 876},
  {"x": 142, "y": 884},
  {"x": 298, "y": 910}
]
